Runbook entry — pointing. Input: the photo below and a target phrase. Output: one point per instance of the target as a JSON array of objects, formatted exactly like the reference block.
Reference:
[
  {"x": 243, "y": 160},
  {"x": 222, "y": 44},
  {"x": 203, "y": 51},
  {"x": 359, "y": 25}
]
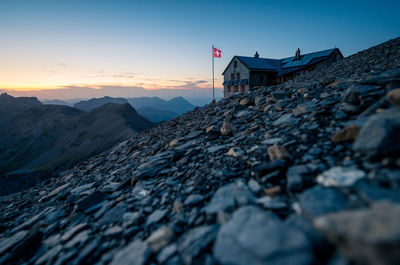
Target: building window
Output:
[
  {"x": 232, "y": 76},
  {"x": 234, "y": 64},
  {"x": 242, "y": 88},
  {"x": 228, "y": 88},
  {"x": 236, "y": 89},
  {"x": 261, "y": 79},
  {"x": 237, "y": 75}
]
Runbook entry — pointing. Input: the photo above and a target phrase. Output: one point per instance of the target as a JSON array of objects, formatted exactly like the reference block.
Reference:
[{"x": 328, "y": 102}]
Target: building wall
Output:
[
  {"x": 259, "y": 78},
  {"x": 244, "y": 74}
]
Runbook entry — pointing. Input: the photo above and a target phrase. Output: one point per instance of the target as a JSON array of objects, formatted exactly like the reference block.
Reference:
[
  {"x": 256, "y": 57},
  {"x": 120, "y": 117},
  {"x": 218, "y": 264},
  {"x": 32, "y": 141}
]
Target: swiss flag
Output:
[{"x": 217, "y": 53}]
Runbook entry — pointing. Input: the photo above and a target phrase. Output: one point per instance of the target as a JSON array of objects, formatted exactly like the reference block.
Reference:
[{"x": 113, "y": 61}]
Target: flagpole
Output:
[{"x": 212, "y": 54}]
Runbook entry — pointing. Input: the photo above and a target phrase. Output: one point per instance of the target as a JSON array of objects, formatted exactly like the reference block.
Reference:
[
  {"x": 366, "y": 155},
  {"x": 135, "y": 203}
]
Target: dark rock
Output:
[
  {"x": 366, "y": 236},
  {"x": 193, "y": 199},
  {"x": 294, "y": 177},
  {"x": 194, "y": 242},
  {"x": 228, "y": 197},
  {"x": 136, "y": 253},
  {"x": 166, "y": 253},
  {"x": 373, "y": 193},
  {"x": 254, "y": 236},
  {"x": 380, "y": 135},
  {"x": 285, "y": 119},
  {"x": 114, "y": 215},
  {"x": 20, "y": 246},
  {"x": 317, "y": 201},
  {"x": 156, "y": 216},
  {"x": 160, "y": 238},
  {"x": 91, "y": 200},
  {"x": 73, "y": 231},
  {"x": 279, "y": 95}
]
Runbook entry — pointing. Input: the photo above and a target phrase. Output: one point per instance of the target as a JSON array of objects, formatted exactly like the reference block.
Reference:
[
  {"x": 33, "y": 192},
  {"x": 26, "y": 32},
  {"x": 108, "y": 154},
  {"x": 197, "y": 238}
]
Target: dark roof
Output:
[
  {"x": 305, "y": 59},
  {"x": 286, "y": 65},
  {"x": 259, "y": 63}
]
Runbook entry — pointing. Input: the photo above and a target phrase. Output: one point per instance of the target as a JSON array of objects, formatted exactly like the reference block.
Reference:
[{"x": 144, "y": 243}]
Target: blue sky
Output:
[{"x": 167, "y": 44}]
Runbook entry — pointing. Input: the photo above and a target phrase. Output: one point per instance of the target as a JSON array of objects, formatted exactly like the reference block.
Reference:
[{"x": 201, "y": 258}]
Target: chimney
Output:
[
  {"x": 256, "y": 55},
  {"x": 297, "y": 56}
]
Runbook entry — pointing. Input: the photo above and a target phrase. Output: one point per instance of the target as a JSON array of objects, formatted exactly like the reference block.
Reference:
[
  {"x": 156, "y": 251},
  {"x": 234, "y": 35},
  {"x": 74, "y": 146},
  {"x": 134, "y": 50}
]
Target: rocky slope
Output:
[{"x": 305, "y": 172}]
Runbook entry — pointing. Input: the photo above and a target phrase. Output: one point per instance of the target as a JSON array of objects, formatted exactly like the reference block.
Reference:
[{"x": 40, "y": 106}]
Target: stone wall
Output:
[{"x": 244, "y": 74}]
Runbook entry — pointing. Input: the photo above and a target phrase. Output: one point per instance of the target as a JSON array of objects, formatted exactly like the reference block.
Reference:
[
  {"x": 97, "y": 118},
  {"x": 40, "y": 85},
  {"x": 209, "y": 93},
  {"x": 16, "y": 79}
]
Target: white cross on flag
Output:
[{"x": 217, "y": 53}]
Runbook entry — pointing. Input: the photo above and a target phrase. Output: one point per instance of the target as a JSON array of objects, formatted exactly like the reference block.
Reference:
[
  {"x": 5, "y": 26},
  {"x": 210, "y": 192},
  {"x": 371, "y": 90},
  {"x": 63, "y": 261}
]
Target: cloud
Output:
[
  {"x": 62, "y": 64},
  {"x": 189, "y": 90}
]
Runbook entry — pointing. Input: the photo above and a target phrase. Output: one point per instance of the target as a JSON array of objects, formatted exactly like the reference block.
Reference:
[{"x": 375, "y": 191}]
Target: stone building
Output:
[{"x": 244, "y": 73}]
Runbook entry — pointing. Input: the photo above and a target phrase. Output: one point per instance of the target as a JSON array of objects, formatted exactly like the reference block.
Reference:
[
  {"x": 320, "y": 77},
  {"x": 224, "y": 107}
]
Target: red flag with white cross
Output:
[{"x": 217, "y": 53}]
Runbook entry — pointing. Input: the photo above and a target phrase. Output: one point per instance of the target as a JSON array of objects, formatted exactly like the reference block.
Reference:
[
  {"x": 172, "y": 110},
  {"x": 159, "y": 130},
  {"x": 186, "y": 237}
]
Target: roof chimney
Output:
[
  {"x": 297, "y": 56},
  {"x": 256, "y": 55}
]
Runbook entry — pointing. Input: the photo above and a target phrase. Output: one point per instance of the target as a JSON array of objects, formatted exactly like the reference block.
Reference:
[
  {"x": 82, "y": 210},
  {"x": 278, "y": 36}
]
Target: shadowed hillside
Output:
[{"x": 50, "y": 137}]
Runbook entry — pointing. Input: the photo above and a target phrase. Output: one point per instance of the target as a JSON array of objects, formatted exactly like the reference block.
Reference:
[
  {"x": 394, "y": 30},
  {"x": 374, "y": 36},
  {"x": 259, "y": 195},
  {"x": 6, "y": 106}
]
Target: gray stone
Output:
[
  {"x": 131, "y": 218},
  {"x": 73, "y": 231},
  {"x": 254, "y": 186},
  {"x": 136, "y": 253},
  {"x": 278, "y": 95},
  {"x": 340, "y": 176},
  {"x": 216, "y": 148},
  {"x": 160, "y": 238},
  {"x": 113, "y": 231},
  {"x": 156, "y": 216},
  {"x": 78, "y": 239},
  {"x": 255, "y": 237},
  {"x": 380, "y": 135},
  {"x": 153, "y": 167},
  {"x": 193, "y": 242},
  {"x": 294, "y": 177},
  {"x": 366, "y": 236},
  {"x": 114, "y": 215},
  {"x": 373, "y": 193},
  {"x": 228, "y": 197},
  {"x": 285, "y": 119},
  {"x": 193, "y": 199},
  {"x": 81, "y": 190},
  {"x": 272, "y": 141},
  {"x": 91, "y": 200},
  {"x": 166, "y": 253},
  {"x": 49, "y": 255},
  {"x": 272, "y": 203},
  {"x": 9, "y": 242},
  {"x": 318, "y": 201}
]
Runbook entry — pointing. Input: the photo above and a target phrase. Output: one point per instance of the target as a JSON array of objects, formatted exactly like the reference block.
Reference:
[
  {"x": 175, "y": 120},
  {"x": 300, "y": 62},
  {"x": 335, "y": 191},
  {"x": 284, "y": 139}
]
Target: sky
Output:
[{"x": 82, "y": 49}]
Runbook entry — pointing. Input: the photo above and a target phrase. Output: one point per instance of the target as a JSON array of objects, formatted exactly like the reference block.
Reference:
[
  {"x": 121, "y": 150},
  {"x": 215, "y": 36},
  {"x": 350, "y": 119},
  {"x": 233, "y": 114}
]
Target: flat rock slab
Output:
[
  {"x": 136, "y": 253},
  {"x": 254, "y": 237},
  {"x": 366, "y": 236},
  {"x": 228, "y": 197},
  {"x": 318, "y": 201},
  {"x": 193, "y": 242},
  {"x": 340, "y": 177}
]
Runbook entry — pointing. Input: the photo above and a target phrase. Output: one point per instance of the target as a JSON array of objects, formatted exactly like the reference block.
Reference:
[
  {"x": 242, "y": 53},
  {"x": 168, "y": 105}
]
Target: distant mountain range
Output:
[
  {"x": 155, "y": 109},
  {"x": 177, "y": 105},
  {"x": 88, "y": 105},
  {"x": 35, "y": 137}
]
